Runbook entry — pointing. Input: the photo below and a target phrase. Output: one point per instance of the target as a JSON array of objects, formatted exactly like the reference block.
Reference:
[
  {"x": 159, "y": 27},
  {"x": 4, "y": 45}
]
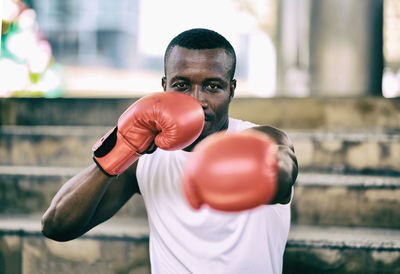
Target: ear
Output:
[
  {"x": 232, "y": 89},
  {"x": 164, "y": 83}
]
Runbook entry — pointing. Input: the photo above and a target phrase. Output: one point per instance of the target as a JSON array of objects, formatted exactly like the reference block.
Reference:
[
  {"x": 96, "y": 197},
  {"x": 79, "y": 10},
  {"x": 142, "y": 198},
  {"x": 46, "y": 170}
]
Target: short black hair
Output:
[{"x": 199, "y": 38}]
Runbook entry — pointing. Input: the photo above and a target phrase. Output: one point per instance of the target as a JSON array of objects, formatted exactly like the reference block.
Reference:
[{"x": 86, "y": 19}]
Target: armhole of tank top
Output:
[{"x": 138, "y": 173}]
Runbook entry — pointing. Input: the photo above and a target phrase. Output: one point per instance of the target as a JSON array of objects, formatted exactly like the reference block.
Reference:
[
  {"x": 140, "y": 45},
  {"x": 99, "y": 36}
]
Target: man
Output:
[{"x": 219, "y": 203}]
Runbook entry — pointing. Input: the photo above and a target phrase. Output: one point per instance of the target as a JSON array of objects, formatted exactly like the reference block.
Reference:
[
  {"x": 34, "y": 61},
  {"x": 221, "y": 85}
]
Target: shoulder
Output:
[
  {"x": 277, "y": 134},
  {"x": 236, "y": 125}
]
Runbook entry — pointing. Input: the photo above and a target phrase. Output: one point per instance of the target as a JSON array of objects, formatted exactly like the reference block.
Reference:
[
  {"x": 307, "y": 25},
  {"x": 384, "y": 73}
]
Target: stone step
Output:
[
  {"x": 339, "y": 152},
  {"x": 287, "y": 113},
  {"x": 62, "y": 111},
  {"x": 48, "y": 145},
  {"x": 117, "y": 246},
  {"x": 320, "y": 199},
  {"x": 121, "y": 245},
  {"x": 337, "y": 250},
  {"x": 348, "y": 152},
  {"x": 29, "y": 190},
  {"x": 347, "y": 200}
]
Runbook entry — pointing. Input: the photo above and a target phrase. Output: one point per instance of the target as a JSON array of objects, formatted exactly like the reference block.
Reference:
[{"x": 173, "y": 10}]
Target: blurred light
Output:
[
  {"x": 27, "y": 19},
  {"x": 154, "y": 37},
  {"x": 390, "y": 84},
  {"x": 28, "y": 56},
  {"x": 17, "y": 77},
  {"x": 261, "y": 65},
  {"x": 10, "y": 10},
  {"x": 1, "y": 21},
  {"x": 39, "y": 57},
  {"x": 49, "y": 81},
  {"x": 298, "y": 81},
  {"x": 21, "y": 44}
]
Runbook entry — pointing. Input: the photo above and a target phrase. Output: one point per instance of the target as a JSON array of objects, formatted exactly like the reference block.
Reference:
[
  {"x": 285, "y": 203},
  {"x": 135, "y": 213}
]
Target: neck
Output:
[{"x": 198, "y": 140}]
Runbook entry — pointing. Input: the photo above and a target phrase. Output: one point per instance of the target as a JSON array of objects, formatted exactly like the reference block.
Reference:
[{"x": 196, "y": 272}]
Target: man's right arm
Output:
[
  {"x": 168, "y": 120},
  {"x": 86, "y": 200}
]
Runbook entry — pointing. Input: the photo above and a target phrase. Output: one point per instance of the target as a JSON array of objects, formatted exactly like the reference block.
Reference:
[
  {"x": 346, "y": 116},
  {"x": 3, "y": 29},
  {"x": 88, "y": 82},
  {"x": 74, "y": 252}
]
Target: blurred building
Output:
[
  {"x": 391, "y": 35},
  {"x": 99, "y": 32},
  {"x": 123, "y": 42},
  {"x": 330, "y": 47},
  {"x": 285, "y": 47}
]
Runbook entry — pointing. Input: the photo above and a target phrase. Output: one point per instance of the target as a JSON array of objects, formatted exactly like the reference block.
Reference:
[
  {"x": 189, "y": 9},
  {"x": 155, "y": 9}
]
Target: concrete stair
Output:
[
  {"x": 333, "y": 249},
  {"x": 345, "y": 210},
  {"x": 120, "y": 246},
  {"x": 347, "y": 200},
  {"x": 323, "y": 151},
  {"x": 37, "y": 185},
  {"x": 320, "y": 199},
  {"x": 48, "y": 145},
  {"x": 365, "y": 152},
  {"x": 353, "y": 114}
]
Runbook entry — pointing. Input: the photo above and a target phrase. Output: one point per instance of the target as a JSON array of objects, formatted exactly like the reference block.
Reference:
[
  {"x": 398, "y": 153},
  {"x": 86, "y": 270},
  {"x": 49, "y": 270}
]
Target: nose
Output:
[{"x": 198, "y": 94}]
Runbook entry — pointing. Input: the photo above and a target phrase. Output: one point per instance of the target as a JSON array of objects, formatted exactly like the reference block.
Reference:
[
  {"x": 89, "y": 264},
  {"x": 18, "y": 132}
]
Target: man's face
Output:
[{"x": 205, "y": 75}]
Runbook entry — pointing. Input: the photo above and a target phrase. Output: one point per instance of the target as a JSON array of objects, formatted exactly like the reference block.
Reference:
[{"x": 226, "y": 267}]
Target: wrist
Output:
[
  {"x": 115, "y": 156},
  {"x": 99, "y": 167}
]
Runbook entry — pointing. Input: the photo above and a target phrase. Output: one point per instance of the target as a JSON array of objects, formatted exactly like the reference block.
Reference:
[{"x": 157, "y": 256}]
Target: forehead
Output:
[{"x": 182, "y": 60}]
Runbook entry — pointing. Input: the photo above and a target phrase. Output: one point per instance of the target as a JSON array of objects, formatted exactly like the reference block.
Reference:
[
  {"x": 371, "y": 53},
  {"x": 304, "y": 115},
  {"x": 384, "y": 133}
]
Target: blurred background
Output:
[
  {"x": 327, "y": 72},
  {"x": 292, "y": 48}
]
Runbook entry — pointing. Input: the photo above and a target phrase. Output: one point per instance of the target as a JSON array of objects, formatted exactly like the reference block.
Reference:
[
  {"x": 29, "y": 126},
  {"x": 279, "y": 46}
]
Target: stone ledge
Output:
[
  {"x": 296, "y": 113},
  {"x": 54, "y": 130},
  {"x": 347, "y": 200},
  {"x": 320, "y": 198},
  {"x": 346, "y": 136},
  {"x": 114, "y": 229},
  {"x": 113, "y": 247},
  {"x": 95, "y": 130},
  {"x": 334, "y": 151},
  {"x": 299, "y": 236},
  {"x": 349, "y": 181},
  {"x": 303, "y": 179},
  {"x": 40, "y": 171},
  {"x": 344, "y": 238}
]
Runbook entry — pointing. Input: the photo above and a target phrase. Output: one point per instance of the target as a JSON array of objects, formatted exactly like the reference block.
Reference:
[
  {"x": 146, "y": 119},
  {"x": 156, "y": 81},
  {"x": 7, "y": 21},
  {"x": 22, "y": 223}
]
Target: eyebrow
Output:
[
  {"x": 179, "y": 78},
  {"x": 215, "y": 79},
  {"x": 212, "y": 79}
]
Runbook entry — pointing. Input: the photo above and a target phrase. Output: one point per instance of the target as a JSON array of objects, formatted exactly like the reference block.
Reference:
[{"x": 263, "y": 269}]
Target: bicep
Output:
[{"x": 121, "y": 189}]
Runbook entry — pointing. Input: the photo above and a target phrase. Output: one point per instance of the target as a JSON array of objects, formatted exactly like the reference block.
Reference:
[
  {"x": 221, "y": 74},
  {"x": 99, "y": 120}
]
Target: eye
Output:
[
  {"x": 213, "y": 87},
  {"x": 180, "y": 85}
]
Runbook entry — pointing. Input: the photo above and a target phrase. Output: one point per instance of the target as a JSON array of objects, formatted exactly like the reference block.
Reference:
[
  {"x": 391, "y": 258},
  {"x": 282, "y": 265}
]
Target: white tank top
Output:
[{"x": 183, "y": 240}]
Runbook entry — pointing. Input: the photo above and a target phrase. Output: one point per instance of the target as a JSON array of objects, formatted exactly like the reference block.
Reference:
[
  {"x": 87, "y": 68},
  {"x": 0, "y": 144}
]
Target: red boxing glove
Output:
[
  {"x": 232, "y": 172},
  {"x": 172, "y": 120}
]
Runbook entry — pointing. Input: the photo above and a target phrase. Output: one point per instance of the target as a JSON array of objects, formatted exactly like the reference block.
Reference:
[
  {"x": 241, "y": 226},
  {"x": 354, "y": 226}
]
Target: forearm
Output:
[
  {"x": 287, "y": 163},
  {"x": 287, "y": 174},
  {"x": 74, "y": 205}
]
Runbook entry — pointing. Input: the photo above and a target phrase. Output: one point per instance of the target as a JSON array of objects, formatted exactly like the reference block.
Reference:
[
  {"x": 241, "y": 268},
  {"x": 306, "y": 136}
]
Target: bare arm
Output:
[
  {"x": 86, "y": 200},
  {"x": 288, "y": 167}
]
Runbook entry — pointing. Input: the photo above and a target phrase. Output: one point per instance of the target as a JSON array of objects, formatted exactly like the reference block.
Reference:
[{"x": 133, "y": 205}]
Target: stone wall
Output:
[{"x": 370, "y": 113}]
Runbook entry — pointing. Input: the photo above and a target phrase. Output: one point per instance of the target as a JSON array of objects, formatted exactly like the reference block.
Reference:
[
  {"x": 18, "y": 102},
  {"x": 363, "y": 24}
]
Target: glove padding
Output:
[
  {"x": 172, "y": 120},
  {"x": 232, "y": 172}
]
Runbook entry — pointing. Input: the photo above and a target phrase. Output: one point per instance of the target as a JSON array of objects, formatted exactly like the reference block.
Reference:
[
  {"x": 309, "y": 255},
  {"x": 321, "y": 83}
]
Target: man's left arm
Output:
[
  {"x": 287, "y": 162},
  {"x": 240, "y": 171}
]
